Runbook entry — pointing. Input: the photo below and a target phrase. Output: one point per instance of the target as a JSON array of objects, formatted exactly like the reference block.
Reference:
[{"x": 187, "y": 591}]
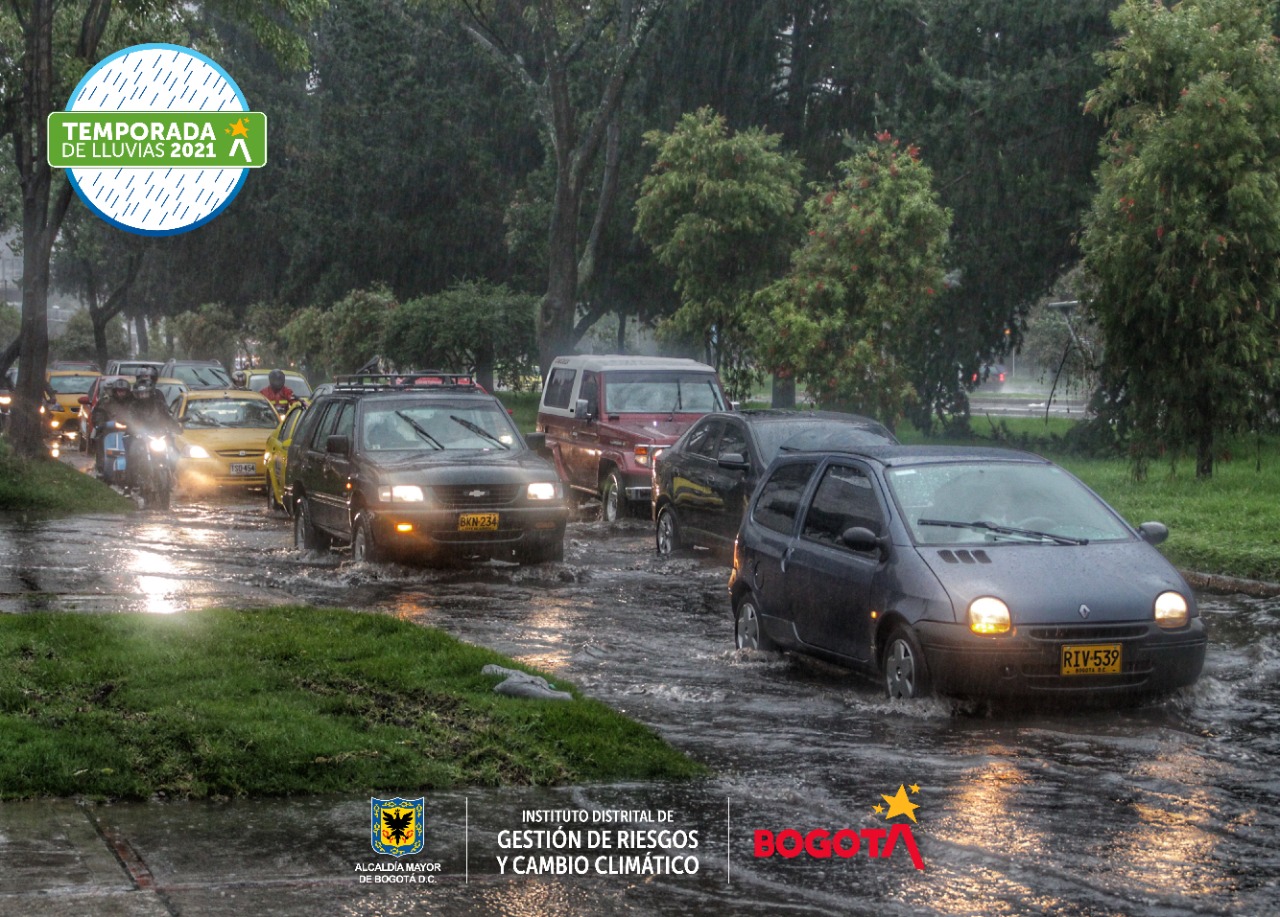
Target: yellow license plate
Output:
[
  {"x": 1095, "y": 659},
  {"x": 478, "y": 522}
]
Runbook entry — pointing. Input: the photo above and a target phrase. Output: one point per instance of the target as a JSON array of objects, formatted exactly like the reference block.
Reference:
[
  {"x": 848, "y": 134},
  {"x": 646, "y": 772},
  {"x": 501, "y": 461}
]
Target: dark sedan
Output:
[
  {"x": 702, "y": 483},
  {"x": 965, "y": 571}
]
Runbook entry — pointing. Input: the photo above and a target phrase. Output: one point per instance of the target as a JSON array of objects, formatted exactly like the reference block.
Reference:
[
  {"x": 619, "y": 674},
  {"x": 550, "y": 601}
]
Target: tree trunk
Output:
[
  {"x": 555, "y": 316},
  {"x": 784, "y": 392},
  {"x": 140, "y": 327},
  {"x": 1204, "y": 439}
]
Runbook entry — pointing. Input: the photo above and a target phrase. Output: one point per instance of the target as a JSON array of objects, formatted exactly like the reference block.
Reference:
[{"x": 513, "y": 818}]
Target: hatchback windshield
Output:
[
  {"x": 975, "y": 503},
  {"x": 71, "y": 385},
  {"x": 231, "y": 412},
  {"x": 662, "y": 393},
  {"x": 436, "y": 425}
]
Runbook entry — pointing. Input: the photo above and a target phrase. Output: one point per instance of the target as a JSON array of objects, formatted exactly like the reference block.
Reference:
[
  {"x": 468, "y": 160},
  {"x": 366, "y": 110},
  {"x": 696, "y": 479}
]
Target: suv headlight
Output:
[
  {"x": 543, "y": 490},
  {"x": 1171, "y": 610},
  {"x": 401, "y": 493}
]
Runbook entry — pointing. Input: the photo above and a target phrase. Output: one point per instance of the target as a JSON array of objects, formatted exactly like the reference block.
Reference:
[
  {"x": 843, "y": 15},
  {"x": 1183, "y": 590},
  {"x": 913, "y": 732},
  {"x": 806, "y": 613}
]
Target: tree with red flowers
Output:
[
  {"x": 1184, "y": 234},
  {"x": 841, "y": 318}
]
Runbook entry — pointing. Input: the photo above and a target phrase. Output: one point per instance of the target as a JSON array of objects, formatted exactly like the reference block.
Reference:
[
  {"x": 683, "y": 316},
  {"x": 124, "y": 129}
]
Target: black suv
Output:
[{"x": 427, "y": 469}]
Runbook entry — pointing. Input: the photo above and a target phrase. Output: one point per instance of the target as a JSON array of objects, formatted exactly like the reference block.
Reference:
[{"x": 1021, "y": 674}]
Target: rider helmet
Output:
[
  {"x": 239, "y": 379},
  {"x": 276, "y": 379},
  {"x": 120, "y": 387},
  {"x": 149, "y": 373}
]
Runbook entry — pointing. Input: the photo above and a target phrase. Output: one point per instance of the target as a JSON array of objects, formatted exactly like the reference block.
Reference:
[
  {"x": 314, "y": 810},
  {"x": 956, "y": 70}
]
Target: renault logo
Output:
[{"x": 1084, "y": 611}]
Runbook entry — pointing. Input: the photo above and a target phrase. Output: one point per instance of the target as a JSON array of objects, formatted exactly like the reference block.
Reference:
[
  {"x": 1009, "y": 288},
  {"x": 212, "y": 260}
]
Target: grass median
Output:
[
  {"x": 285, "y": 701},
  {"x": 47, "y": 486}
]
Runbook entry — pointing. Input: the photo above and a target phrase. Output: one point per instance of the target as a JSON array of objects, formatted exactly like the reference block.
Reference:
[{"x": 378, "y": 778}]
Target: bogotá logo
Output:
[
  {"x": 157, "y": 139},
  {"x": 845, "y": 843},
  {"x": 395, "y": 825}
]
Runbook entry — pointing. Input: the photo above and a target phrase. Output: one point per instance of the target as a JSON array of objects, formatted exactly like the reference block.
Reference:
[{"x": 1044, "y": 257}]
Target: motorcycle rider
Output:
[
  {"x": 114, "y": 404},
  {"x": 279, "y": 394},
  {"x": 239, "y": 379},
  {"x": 148, "y": 415}
]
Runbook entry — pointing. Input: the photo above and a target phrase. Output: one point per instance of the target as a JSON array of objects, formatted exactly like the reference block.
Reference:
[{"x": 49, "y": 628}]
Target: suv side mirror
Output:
[
  {"x": 338, "y": 445},
  {"x": 538, "y": 443},
  {"x": 734, "y": 461},
  {"x": 582, "y": 410}
]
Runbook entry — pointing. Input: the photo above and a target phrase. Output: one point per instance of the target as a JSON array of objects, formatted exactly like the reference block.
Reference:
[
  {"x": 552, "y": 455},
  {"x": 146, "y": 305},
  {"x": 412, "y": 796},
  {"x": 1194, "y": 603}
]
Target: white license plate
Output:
[{"x": 244, "y": 468}]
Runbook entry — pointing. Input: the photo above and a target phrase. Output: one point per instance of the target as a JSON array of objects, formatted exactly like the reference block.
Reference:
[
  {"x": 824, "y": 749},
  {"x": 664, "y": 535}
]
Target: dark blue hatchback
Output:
[{"x": 961, "y": 571}]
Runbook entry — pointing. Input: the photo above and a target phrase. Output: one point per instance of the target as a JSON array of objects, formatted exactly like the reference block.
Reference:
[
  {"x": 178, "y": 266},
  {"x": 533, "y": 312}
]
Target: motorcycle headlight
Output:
[
  {"x": 988, "y": 615},
  {"x": 157, "y": 444},
  {"x": 543, "y": 490},
  {"x": 401, "y": 493},
  {"x": 1171, "y": 610},
  {"x": 197, "y": 452},
  {"x": 5, "y": 401}
]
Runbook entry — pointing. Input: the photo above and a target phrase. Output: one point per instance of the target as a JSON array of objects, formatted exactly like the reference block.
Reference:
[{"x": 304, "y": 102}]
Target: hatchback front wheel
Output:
[{"x": 906, "y": 676}]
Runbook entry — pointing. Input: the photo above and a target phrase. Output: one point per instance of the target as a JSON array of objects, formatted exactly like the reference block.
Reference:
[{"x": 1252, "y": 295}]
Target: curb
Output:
[{"x": 1213, "y": 582}]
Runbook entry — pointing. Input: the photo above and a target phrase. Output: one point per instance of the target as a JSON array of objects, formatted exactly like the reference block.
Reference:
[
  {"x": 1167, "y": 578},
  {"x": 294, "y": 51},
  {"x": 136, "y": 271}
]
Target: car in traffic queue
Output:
[
  {"x": 606, "y": 416},
  {"x": 256, "y": 381},
  {"x": 223, "y": 438},
  {"x": 131, "y": 368},
  {"x": 702, "y": 483},
  {"x": 68, "y": 386},
  {"x": 971, "y": 572},
  {"x": 433, "y": 472},
  {"x": 276, "y": 455},
  {"x": 197, "y": 374}
]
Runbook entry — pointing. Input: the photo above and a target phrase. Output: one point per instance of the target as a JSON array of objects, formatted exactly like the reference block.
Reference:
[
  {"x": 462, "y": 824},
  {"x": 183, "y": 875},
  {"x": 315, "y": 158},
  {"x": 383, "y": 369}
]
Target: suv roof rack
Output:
[{"x": 407, "y": 380}]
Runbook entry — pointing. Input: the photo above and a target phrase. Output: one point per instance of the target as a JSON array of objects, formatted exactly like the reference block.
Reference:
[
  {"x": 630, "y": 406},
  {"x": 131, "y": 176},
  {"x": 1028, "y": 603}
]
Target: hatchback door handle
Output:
[{"x": 786, "y": 555}]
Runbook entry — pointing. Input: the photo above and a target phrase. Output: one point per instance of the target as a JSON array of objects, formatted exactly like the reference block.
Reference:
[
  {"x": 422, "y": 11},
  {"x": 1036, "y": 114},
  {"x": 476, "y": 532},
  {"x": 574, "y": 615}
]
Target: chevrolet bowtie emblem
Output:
[{"x": 477, "y": 493}]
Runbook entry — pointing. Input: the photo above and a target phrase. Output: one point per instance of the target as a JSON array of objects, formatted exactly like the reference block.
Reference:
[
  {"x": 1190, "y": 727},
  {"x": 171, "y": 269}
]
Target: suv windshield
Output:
[
  {"x": 439, "y": 424},
  {"x": 655, "y": 392},
  {"x": 202, "y": 376}
]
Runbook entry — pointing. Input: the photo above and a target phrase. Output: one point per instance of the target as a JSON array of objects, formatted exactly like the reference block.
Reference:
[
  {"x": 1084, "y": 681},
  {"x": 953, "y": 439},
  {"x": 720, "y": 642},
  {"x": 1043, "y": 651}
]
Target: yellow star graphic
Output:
[
  {"x": 238, "y": 129},
  {"x": 879, "y": 810},
  {"x": 915, "y": 788},
  {"x": 899, "y": 804}
]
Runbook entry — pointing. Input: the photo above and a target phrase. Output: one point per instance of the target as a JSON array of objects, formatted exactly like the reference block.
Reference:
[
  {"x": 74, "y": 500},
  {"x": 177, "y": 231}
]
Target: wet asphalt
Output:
[{"x": 1170, "y": 808}]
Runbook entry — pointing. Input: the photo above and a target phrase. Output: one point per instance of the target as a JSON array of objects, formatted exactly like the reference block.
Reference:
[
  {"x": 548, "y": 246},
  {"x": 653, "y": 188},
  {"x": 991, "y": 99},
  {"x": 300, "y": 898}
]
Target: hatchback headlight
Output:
[
  {"x": 1171, "y": 610},
  {"x": 197, "y": 452},
  {"x": 988, "y": 615},
  {"x": 401, "y": 493},
  {"x": 543, "y": 490}
]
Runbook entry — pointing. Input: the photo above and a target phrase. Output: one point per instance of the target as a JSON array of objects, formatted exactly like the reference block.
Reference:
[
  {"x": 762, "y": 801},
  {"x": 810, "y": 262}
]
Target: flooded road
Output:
[{"x": 1166, "y": 809}]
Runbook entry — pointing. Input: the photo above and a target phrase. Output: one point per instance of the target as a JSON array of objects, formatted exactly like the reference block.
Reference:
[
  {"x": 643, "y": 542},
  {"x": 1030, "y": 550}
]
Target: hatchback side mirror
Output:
[
  {"x": 860, "y": 538},
  {"x": 1153, "y": 533}
]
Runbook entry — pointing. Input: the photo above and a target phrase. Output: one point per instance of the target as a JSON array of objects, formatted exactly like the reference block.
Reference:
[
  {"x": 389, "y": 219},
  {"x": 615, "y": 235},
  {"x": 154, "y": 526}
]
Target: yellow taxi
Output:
[
  {"x": 68, "y": 385},
  {"x": 276, "y": 453},
  {"x": 223, "y": 439}
]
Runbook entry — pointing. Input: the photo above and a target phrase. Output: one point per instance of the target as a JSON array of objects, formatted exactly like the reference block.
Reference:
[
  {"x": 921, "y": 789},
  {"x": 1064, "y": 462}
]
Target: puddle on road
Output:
[{"x": 1166, "y": 808}]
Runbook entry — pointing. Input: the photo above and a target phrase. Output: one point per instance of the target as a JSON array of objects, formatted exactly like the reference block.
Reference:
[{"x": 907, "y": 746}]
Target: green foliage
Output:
[
  {"x": 286, "y": 701},
  {"x": 345, "y": 336},
  {"x": 210, "y": 332},
  {"x": 871, "y": 263},
  {"x": 719, "y": 209},
  {"x": 1184, "y": 234},
  {"x": 10, "y": 322},
  {"x": 76, "y": 341},
  {"x": 471, "y": 327}
]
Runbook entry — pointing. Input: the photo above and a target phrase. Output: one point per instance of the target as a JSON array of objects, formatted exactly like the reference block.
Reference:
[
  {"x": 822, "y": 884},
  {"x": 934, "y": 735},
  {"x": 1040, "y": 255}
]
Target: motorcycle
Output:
[{"x": 138, "y": 462}]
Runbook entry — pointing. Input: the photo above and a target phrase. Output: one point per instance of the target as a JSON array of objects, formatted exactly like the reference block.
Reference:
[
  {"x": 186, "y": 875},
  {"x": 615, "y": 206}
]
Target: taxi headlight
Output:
[
  {"x": 988, "y": 615},
  {"x": 1171, "y": 610},
  {"x": 401, "y": 493},
  {"x": 197, "y": 452},
  {"x": 543, "y": 490}
]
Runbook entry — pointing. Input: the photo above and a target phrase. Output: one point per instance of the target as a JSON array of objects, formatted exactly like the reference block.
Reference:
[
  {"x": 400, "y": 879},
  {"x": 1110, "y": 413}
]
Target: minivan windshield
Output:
[
  {"x": 985, "y": 502},
  {"x": 659, "y": 392}
]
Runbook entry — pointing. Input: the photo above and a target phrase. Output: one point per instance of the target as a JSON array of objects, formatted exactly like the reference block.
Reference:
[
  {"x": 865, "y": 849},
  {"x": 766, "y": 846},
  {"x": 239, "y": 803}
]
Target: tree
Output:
[
  {"x": 1184, "y": 234},
  {"x": 344, "y": 337},
  {"x": 720, "y": 210},
  {"x": 479, "y": 327},
  {"x": 574, "y": 62},
  {"x": 39, "y": 66},
  {"x": 871, "y": 263},
  {"x": 80, "y": 340}
]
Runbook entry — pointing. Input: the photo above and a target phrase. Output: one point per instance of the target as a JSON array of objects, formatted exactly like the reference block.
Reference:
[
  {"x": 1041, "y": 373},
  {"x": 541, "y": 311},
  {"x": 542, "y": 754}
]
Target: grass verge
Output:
[
  {"x": 285, "y": 701},
  {"x": 46, "y": 485}
]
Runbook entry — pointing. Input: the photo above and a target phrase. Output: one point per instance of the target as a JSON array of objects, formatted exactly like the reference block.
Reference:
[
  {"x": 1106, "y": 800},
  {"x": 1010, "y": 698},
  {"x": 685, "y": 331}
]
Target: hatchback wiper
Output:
[
  {"x": 1002, "y": 530},
  {"x": 417, "y": 428},
  {"x": 479, "y": 431}
]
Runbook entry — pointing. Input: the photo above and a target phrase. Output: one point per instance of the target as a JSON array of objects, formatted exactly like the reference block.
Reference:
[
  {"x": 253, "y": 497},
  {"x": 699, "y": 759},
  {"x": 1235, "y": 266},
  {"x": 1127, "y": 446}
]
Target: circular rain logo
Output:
[{"x": 157, "y": 139}]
